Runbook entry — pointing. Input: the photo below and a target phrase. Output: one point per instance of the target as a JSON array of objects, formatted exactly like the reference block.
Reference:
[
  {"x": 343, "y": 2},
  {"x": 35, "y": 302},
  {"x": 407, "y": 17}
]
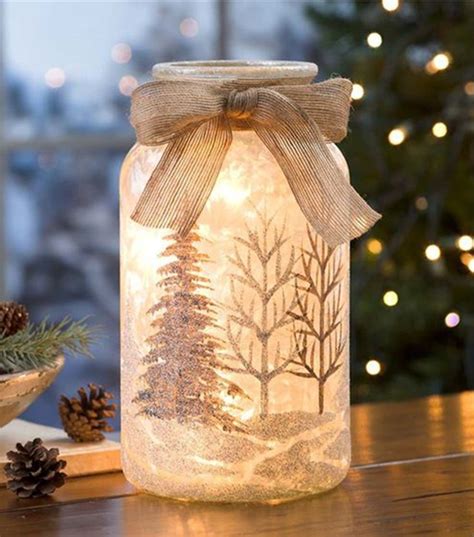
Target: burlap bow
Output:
[{"x": 294, "y": 122}]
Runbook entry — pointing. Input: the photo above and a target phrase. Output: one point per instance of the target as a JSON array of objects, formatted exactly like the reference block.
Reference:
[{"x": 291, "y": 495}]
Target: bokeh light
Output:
[
  {"x": 439, "y": 129},
  {"x": 374, "y": 246},
  {"x": 357, "y": 92},
  {"x": 390, "y": 298},
  {"x": 421, "y": 203},
  {"x": 439, "y": 62},
  {"x": 465, "y": 243},
  {"x": 433, "y": 252},
  {"x": 121, "y": 53},
  {"x": 189, "y": 27},
  {"x": 452, "y": 319},
  {"x": 127, "y": 85},
  {"x": 390, "y": 5},
  {"x": 469, "y": 88},
  {"x": 55, "y": 77},
  {"x": 374, "y": 40},
  {"x": 397, "y": 136},
  {"x": 373, "y": 367}
]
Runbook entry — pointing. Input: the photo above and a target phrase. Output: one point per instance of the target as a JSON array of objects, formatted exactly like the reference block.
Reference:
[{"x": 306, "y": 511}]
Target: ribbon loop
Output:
[{"x": 294, "y": 122}]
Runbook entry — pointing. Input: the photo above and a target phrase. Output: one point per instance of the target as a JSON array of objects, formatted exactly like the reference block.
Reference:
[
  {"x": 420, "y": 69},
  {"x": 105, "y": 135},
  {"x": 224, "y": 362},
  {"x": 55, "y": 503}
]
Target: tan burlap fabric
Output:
[{"x": 294, "y": 122}]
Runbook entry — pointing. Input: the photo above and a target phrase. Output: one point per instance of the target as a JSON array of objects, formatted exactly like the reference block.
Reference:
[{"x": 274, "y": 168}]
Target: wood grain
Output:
[
  {"x": 429, "y": 427},
  {"x": 434, "y": 498},
  {"x": 413, "y": 475}
]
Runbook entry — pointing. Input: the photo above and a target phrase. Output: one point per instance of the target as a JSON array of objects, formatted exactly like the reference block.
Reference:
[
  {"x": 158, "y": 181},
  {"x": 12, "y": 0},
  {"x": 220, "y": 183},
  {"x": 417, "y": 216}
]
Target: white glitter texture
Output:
[{"x": 276, "y": 298}]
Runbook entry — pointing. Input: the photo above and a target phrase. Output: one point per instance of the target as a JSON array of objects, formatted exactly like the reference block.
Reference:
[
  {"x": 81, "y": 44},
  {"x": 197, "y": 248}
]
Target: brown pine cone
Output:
[
  {"x": 13, "y": 318},
  {"x": 85, "y": 418},
  {"x": 34, "y": 470}
]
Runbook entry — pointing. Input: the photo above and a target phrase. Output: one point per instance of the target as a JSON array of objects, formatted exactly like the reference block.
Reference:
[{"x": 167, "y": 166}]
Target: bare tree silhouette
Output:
[
  {"x": 266, "y": 269},
  {"x": 182, "y": 380},
  {"x": 320, "y": 340}
]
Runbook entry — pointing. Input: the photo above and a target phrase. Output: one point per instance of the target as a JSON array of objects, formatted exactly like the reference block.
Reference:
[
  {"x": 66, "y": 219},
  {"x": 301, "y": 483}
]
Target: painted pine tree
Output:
[{"x": 182, "y": 380}]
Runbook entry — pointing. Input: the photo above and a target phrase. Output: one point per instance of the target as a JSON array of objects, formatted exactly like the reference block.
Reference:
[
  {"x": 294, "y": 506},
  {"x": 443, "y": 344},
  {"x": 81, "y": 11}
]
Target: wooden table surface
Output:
[{"x": 412, "y": 474}]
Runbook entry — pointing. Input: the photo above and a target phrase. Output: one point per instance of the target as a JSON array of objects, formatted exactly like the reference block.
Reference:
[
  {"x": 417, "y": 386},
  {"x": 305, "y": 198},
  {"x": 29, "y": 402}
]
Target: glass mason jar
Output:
[{"x": 235, "y": 371}]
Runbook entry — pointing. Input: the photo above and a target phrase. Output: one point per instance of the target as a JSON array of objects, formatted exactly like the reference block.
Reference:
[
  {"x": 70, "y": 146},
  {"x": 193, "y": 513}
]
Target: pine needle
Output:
[{"x": 39, "y": 345}]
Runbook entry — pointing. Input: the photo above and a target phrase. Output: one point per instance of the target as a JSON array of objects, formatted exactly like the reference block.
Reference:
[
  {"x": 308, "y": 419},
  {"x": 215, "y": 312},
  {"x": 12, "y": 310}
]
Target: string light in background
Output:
[
  {"x": 374, "y": 246},
  {"x": 470, "y": 265},
  {"x": 357, "y": 92},
  {"x": 374, "y": 40},
  {"x": 433, "y": 252},
  {"x": 465, "y": 258},
  {"x": 439, "y": 62},
  {"x": 439, "y": 129},
  {"x": 390, "y": 299},
  {"x": 55, "y": 77},
  {"x": 373, "y": 367},
  {"x": 465, "y": 243},
  {"x": 469, "y": 88},
  {"x": 452, "y": 319},
  {"x": 390, "y": 5},
  {"x": 121, "y": 53},
  {"x": 397, "y": 136},
  {"x": 189, "y": 27},
  {"x": 421, "y": 203},
  {"x": 127, "y": 84}
]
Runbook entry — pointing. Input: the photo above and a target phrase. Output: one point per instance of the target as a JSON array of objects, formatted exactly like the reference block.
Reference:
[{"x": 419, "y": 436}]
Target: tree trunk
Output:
[
  {"x": 264, "y": 398},
  {"x": 321, "y": 396}
]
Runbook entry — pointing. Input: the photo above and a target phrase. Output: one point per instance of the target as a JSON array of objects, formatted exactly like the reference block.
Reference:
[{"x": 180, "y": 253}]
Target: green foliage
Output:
[
  {"x": 419, "y": 354},
  {"x": 39, "y": 345}
]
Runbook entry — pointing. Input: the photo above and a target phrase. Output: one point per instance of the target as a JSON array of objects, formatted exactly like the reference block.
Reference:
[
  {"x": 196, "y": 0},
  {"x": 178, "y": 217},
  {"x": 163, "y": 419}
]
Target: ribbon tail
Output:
[
  {"x": 184, "y": 178},
  {"x": 330, "y": 204}
]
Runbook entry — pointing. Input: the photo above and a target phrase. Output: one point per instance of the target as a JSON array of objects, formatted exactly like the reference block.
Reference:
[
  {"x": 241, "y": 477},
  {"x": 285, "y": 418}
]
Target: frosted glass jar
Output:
[{"x": 235, "y": 373}]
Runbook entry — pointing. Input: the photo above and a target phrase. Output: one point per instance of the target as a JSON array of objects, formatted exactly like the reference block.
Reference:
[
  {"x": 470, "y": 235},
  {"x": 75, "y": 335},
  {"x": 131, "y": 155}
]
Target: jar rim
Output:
[{"x": 236, "y": 69}]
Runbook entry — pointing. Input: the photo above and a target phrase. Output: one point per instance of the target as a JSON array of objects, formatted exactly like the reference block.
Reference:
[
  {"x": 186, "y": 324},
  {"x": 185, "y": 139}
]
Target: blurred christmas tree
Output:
[{"x": 411, "y": 152}]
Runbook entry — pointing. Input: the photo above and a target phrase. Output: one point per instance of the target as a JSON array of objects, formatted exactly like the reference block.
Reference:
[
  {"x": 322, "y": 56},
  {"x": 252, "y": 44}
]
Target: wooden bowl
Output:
[{"x": 19, "y": 390}]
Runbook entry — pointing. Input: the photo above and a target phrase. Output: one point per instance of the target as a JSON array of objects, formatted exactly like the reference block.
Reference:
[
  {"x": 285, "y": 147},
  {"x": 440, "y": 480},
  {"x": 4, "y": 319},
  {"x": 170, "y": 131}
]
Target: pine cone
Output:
[
  {"x": 34, "y": 470},
  {"x": 85, "y": 419},
  {"x": 13, "y": 318}
]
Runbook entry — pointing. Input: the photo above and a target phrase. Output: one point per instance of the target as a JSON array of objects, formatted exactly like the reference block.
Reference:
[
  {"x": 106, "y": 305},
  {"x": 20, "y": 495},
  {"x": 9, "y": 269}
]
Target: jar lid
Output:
[{"x": 277, "y": 72}]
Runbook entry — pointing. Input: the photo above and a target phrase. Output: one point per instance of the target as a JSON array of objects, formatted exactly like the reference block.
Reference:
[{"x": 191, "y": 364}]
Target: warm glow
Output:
[
  {"x": 397, "y": 136},
  {"x": 121, "y": 53},
  {"x": 55, "y": 77},
  {"x": 439, "y": 62},
  {"x": 373, "y": 367},
  {"x": 470, "y": 265},
  {"x": 465, "y": 243},
  {"x": 374, "y": 40},
  {"x": 469, "y": 88},
  {"x": 421, "y": 203},
  {"x": 357, "y": 92},
  {"x": 245, "y": 254},
  {"x": 452, "y": 319},
  {"x": 433, "y": 252},
  {"x": 439, "y": 129},
  {"x": 374, "y": 246},
  {"x": 390, "y": 298},
  {"x": 189, "y": 27},
  {"x": 390, "y": 5},
  {"x": 229, "y": 191},
  {"x": 466, "y": 258},
  {"x": 127, "y": 85}
]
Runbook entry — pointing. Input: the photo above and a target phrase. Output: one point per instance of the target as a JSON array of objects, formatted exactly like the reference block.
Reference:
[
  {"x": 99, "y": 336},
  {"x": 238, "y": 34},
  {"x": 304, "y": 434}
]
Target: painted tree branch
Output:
[
  {"x": 320, "y": 320},
  {"x": 262, "y": 273}
]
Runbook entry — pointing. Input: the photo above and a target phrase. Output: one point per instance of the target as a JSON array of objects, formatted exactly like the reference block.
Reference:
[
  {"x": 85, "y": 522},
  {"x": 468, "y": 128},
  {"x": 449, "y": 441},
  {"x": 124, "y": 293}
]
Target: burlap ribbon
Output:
[{"x": 294, "y": 122}]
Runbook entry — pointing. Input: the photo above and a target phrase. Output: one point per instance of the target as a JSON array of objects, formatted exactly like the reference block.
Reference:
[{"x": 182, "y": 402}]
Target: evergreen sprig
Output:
[{"x": 39, "y": 345}]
